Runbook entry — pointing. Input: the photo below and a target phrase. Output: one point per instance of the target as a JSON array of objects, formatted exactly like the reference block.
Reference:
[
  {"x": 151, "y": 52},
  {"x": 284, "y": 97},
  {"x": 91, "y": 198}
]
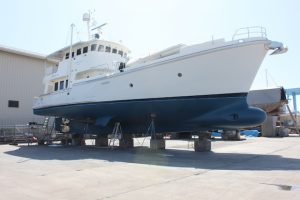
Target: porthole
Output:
[
  {"x": 131, "y": 85},
  {"x": 235, "y": 116},
  {"x": 179, "y": 74}
]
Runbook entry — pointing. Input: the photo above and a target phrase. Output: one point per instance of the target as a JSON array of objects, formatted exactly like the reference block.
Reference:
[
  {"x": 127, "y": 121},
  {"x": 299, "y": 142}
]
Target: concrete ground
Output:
[{"x": 255, "y": 168}]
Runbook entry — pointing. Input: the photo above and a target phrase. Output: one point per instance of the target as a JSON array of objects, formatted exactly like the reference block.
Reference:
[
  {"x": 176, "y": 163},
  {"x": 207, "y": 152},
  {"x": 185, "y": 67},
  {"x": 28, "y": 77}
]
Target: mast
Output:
[
  {"x": 70, "y": 55},
  {"x": 87, "y": 17},
  {"x": 71, "y": 42}
]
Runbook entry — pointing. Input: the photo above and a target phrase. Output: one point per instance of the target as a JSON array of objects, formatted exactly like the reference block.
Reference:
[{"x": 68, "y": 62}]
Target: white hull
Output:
[{"x": 223, "y": 69}]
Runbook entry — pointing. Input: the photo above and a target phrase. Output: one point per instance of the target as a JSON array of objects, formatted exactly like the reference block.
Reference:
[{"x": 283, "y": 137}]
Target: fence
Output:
[{"x": 24, "y": 133}]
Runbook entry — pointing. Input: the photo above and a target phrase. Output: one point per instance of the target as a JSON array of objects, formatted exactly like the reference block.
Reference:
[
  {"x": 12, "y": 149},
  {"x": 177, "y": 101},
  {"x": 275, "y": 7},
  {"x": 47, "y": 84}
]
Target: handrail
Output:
[{"x": 247, "y": 32}]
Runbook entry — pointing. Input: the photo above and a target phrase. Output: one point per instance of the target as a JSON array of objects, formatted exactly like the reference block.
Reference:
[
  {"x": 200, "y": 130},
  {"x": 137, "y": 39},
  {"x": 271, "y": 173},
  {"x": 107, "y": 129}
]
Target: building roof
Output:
[{"x": 24, "y": 53}]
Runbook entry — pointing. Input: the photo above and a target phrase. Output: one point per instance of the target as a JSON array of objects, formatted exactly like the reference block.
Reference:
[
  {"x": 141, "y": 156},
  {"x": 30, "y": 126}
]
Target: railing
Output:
[
  {"x": 247, "y": 32},
  {"x": 11, "y": 133},
  {"x": 22, "y": 133}
]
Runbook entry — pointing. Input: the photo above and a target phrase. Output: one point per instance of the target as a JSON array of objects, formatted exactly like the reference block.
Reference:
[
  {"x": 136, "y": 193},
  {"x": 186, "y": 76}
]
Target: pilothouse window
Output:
[
  {"x": 114, "y": 50},
  {"x": 93, "y": 47},
  {"x": 78, "y": 52},
  {"x": 61, "y": 85},
  {"x": 121, "y": 53},
  {"x": 101, "y": 48},
  {"x": 55, "y": 86},
  {"x": 85, "y": 49},
  {"x": 107, "y": 49},
  {"x": 67, "y": 55}
]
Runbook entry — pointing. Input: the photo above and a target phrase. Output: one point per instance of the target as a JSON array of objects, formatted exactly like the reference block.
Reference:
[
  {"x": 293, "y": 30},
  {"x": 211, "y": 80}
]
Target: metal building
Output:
[{"x": 21, "y": 79}]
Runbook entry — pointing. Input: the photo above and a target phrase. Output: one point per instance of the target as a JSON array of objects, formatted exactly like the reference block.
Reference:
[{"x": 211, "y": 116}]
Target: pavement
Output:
[{"x": 254, "y": 168}]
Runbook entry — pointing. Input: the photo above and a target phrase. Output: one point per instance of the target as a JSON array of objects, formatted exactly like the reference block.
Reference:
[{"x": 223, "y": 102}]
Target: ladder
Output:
[
  {"x": 46, "y": 134},
  {"x": 45, "y": 124},
  {"x": 116, "y": 134}
]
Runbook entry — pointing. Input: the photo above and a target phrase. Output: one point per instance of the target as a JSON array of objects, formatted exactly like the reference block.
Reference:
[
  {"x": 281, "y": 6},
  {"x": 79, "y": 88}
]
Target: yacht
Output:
[{"x": 182, "y": 88}]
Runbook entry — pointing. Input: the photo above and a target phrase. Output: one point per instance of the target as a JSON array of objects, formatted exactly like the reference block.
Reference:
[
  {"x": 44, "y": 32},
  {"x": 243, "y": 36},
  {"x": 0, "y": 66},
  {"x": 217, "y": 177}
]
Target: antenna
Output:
[
  {"x": 87, "y": 18},
  {"x": 99, "y": 27}
]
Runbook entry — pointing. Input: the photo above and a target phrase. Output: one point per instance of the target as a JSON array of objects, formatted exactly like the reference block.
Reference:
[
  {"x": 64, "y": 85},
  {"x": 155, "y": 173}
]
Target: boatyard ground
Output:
[{"x": 255, "y": 168}]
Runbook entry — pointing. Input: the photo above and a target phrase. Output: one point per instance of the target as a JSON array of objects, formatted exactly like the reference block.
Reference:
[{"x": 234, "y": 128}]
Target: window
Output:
[
  {"x": 114, "y": 50},
  {"x": 85, "y": 49},
  {"x": 73, "y": 54},
  {"x": 78, "y": 52},
  {"x": 55, "y": 86},
  {"x": 67, "y": 55},
  {"x": 67, "y": 81},
  {"x": 107, "y": 49},
  {"x": 13, "y": 104},
  {"x": 101, "y": 48},
  {"x": 61, "y": 85},
  {"x": 121, "y": 53},
  {"x": 93, "y": 47}
]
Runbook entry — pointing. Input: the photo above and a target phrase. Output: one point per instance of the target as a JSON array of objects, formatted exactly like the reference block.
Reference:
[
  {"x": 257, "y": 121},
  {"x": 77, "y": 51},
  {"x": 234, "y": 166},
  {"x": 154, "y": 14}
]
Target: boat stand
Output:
[
  {"x": 101, "y": 140},
  {"x": 203, "y": 142},
  {"x": 157, "y": 141},
  {"x": 125, "y": 140}
]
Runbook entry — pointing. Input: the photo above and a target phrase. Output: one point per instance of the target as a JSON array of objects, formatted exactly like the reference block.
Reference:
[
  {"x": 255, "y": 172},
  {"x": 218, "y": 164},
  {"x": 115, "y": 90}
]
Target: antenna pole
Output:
[
  {"x": 71, "y": 43},
  {"x": 87, "y": 18},
  {"x": 70, "y": 53},
  {"x": 88, "y": 26}
]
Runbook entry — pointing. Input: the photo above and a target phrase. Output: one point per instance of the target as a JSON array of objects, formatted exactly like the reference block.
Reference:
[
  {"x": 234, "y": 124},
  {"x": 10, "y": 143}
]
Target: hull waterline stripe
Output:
[{"x": 229, "y": 95}]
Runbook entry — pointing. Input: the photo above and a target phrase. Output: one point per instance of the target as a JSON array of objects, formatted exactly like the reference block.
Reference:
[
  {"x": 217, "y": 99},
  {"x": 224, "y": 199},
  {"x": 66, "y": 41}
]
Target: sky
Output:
[{"x": 145, "y": 26}]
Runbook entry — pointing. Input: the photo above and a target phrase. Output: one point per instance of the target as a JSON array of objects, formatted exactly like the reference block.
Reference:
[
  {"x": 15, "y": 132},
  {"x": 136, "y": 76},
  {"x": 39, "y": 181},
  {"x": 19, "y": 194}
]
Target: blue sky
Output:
[{"x": 144, "y": 26}]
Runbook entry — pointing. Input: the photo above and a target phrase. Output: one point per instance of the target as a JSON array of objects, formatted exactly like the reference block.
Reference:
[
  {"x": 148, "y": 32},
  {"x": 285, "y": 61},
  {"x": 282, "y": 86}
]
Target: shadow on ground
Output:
[{"x": 169, "y": 157}]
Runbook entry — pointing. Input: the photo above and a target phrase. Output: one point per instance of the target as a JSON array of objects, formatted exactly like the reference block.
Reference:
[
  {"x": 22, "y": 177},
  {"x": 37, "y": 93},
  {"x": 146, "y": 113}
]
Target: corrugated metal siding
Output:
[{"x": 20, "y": 79}]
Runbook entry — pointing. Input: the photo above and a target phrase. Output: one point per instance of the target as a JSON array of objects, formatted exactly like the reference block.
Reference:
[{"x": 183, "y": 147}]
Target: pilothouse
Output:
[{"x": 86, "y": 61}]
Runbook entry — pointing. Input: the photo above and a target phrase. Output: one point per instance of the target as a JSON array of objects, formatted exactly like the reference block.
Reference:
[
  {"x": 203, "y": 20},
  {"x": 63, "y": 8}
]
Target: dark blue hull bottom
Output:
[{"x": 195, "y": 113}]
